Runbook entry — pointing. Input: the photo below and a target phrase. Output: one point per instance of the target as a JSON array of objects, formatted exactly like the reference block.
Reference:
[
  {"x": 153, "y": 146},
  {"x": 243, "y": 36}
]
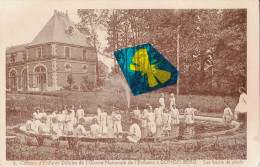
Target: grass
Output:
[
  {"x": 228, "y": 147},
  {"x": 21, "y": 106}
]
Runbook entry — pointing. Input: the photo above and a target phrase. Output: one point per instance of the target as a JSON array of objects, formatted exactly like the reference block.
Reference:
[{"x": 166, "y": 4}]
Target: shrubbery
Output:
[{"x": 86, "y": 84}]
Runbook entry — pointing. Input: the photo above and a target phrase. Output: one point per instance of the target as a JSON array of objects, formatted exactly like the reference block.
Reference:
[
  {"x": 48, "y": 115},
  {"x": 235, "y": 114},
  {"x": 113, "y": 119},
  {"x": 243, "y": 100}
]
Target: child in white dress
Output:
[
  {"x": 80, "y": 130},
  {"x": 134, "y": 132},
  {"x": 166, "y": 120},
  {"x": 95, "y": 130},
  {"x": 144, "y": 117},
  {"x": 228, "y": 115},
  {"x": 174, "y": 115},
  {"x": 55, "y": 129},
  {"x": 189, "y": 114},
  {"x": 69, "y": 123},
  {"x": 158, "y": 116},
  {"x": 42, "y": 128},
  {"x": 161, "y": 101},
  {"x": 103, "y": 122},
  {"x": 151, "y": 121},
  {"x": 61, "y": 119},
  {"x": 80, "y": 113},
  {"x": 137, "y": 112},
  {"x": 117, "y": 122},
  {"x": 172, "y": 100}
]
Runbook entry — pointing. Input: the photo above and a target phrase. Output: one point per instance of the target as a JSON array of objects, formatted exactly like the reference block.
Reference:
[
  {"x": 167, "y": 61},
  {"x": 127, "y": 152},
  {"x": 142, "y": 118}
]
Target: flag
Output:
[{"x": 145, "y": 69}]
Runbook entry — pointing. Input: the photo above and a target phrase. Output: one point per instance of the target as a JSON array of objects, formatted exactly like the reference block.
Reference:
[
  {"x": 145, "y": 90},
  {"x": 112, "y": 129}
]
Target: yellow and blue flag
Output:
[{"x": 145, "y": 69}]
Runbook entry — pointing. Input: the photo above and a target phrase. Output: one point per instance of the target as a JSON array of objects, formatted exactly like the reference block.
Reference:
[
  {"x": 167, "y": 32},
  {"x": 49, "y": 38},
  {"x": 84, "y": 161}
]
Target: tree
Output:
[
  {"x": 91, "y": 22},
  {"x": 212, "y": 42}
]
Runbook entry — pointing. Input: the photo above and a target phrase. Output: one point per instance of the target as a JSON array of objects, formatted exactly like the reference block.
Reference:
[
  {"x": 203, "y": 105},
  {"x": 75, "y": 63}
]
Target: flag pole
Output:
[{"x": 178, "y": 60}]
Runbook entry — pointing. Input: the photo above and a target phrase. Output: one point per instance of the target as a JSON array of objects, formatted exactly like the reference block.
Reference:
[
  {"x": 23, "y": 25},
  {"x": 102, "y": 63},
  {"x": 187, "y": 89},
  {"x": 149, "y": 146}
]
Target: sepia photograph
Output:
[{"x": 68, "y": 98}]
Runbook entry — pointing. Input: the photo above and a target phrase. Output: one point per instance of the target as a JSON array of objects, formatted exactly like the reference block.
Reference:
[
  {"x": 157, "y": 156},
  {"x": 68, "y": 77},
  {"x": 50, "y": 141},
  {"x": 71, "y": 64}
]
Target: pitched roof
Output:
[
  {"x": 16, "y": 48},
  {"x": 55, "y": 31}
]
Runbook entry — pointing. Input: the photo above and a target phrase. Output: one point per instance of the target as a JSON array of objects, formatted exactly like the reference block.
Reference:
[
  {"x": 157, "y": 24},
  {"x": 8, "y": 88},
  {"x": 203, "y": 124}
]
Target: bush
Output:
[
  {"x": 86, "y": 84},
  {"x": 75, "y": 88}
]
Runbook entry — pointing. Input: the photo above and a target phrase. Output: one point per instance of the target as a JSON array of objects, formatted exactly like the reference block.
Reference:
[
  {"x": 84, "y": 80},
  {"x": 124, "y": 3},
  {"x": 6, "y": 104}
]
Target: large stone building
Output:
[{"x": 44, "y": 64}]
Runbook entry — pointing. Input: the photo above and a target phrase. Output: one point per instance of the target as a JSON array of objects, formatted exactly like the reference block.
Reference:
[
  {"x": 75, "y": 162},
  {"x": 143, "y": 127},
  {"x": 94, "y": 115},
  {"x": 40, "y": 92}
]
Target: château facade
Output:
[{"x": 44, "y": 64}]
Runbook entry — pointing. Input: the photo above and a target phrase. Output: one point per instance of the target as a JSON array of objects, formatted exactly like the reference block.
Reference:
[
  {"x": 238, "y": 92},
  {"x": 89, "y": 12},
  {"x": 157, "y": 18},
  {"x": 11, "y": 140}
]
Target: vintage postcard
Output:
[{"x": 135, "y": 83}]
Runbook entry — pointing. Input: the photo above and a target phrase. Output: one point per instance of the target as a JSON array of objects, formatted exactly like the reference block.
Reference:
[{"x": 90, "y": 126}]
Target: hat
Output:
[{"x": 172, "y": 94}]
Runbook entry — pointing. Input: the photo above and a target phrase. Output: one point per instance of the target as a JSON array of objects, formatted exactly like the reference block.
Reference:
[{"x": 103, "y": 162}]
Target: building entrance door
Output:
[{"x": 40, "y": 73}]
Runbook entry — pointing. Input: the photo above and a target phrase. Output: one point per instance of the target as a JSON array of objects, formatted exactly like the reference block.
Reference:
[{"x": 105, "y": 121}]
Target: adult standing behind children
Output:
[{"x": 241, "y": 109}]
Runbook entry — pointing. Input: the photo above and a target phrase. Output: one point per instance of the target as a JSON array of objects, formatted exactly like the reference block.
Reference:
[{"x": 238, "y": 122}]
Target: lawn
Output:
[
  {"x": 228, "y": 147},
  {"x": 21, "y": 106}
]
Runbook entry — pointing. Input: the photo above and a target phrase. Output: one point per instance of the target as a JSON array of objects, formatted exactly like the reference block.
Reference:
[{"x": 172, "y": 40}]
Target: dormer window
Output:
[
  {"x": 69, "y": 30},
  {"x": 84, "y": 54},
  {"x": 39, "y": 52},
  {"x": 67, "y": 51}
]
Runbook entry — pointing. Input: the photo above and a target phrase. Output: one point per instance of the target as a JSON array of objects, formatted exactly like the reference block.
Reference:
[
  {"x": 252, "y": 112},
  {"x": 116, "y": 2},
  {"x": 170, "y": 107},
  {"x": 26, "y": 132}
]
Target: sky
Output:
[{"x": 24, "y": 20}]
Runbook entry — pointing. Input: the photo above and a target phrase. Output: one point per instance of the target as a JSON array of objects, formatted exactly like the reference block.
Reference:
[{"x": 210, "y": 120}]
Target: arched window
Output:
[
  {"x": 24, "y": 79},
  {"x": 13, "y": 80},
  {"x": 40, "y": 69}
]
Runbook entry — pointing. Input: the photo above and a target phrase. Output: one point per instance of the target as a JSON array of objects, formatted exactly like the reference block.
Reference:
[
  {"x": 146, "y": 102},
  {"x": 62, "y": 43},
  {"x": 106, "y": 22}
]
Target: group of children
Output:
[
  {"x": 59, "y": 122},
  {"x": 163, "y": 118},
  {"x": 69, "y": 122}
]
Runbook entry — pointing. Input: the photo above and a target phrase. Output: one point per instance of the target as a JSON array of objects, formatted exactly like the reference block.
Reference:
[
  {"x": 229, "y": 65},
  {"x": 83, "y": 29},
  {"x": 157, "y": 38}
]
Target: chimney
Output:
[
  {"x": 67, "y": 13},
  {"x": 55, "y": 12}
]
